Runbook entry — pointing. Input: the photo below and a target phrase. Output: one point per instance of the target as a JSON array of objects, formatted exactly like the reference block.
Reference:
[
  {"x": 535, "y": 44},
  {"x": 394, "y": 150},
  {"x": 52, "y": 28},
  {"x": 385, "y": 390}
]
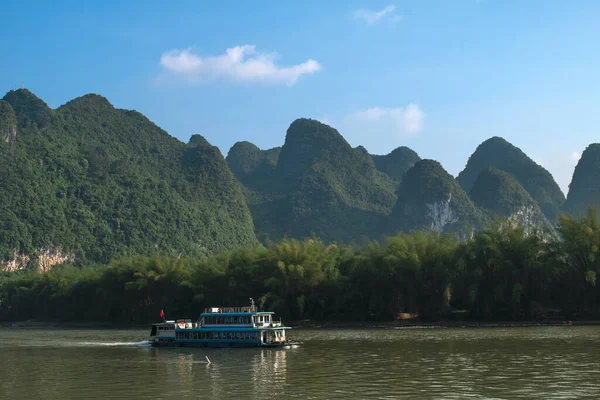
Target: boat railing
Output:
[
  {"x": 218, "y": 310},
  {"x": 272, "y": 324},
  {"x": 187, "y": 324}
]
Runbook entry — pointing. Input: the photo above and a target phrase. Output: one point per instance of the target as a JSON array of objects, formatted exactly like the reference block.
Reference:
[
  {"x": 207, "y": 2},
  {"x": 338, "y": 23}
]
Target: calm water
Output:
[{"x": 514, "y": 363}]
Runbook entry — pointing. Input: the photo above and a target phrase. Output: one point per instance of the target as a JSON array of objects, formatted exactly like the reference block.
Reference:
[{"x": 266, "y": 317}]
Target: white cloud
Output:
[
  {"x": 371, "y": 17},
  {"x": 407, "y": 120},
  {"x": 240, "y": 63},
  {"x": 575, "y": 156}
]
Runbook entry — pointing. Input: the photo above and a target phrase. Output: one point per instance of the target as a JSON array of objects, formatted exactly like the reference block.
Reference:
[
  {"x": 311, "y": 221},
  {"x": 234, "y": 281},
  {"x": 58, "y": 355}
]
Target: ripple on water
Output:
[{"x": 516, "y": 363}]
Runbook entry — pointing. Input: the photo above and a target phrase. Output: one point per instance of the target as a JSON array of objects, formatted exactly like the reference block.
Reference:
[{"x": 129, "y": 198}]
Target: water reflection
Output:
[
  {"x": 269, "y": 373},
  {"x": 549, "y": 363},
  {"x": 256, "y": 373}
]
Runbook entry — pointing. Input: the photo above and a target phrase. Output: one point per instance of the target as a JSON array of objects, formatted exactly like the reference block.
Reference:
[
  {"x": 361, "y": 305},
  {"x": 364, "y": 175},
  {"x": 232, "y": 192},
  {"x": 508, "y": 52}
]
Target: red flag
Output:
[{"x": 162, "y": 314}]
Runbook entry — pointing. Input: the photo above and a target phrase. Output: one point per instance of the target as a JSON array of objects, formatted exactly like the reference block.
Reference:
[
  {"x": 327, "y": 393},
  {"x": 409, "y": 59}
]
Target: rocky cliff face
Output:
[
  {"x": 502, "y": 197},
  {"x": 441, "y": 214},
  {"x": 429, "y": 198},
  {"x": 8, "y": 123},
  {"x": 42, "y": 260}
]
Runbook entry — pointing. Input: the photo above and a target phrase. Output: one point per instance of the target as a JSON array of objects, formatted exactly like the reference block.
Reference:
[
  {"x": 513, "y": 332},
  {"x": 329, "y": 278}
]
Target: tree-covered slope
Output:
[
  {"x": 317, "y": 183},
  {"x": 539, "y": 183},
  {"x": 396, "y": 163},
  {"x": 499, "y": 193},
  {"x": 585, "y": 184},
  {"x": 91, "y": 182},
  {"x": 246, "y": 161},
  {"x": 429, "y": 198}
]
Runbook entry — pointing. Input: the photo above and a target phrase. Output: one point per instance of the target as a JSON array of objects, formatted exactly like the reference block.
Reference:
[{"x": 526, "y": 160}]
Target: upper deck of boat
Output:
[{"x": 234, "y": 311}]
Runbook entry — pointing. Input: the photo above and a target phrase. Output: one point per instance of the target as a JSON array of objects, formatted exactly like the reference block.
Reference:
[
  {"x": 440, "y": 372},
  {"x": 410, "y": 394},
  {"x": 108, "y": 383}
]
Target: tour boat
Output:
[{"x": 222, "y": 327}]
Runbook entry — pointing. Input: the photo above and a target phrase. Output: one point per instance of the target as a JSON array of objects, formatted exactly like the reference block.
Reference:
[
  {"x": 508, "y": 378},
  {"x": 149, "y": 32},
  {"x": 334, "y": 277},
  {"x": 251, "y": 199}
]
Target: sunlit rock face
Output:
[
  {"x": 8, "y": 123},
  {"x": 441, "y": 214},
  {"x": 525, "y": 216},
  {"x": 430, "y": 199},
  {"x": 505, "y": 200},
  {"x": 43, "y": 260},
  {"x": 16, "y": 263}
]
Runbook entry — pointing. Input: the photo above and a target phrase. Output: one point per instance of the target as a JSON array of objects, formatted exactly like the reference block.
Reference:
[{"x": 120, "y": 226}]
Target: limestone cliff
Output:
[{"x": 8, "y": 123}]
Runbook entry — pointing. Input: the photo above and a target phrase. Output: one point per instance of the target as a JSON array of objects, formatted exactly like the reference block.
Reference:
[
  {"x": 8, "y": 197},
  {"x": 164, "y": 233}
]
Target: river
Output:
[{"x": 486, "y": 363}]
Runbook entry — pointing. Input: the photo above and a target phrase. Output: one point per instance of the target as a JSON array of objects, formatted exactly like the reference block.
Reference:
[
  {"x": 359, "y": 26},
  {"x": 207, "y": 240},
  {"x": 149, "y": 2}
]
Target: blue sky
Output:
[{"x": 437, "y": 76}]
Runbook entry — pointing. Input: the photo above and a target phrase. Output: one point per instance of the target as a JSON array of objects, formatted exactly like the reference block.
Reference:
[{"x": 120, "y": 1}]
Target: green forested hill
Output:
[
  {"x": 497, "y": 152},
  {"x": 429, "y": 198},
  {"x": 317, "y": 183},
  {"x": 396, "y": 163},
  {"x": 585, "y": 185},
  {"x": 96, "y": 182},
  {"x": 499, "y": 193},
  {"x": 90, "y": 182},
  {"x": 249, "y": 163}
]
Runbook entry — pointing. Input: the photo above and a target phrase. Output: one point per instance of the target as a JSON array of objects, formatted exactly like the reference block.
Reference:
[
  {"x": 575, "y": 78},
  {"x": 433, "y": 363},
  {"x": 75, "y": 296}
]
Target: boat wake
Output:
[{"x": 143, "y": 343}]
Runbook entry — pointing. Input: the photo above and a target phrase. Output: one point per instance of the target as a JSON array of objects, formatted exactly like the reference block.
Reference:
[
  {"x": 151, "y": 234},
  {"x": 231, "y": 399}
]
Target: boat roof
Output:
[
  {"x": 236, "y": 314},
  {"x": 233, "y": 329}
]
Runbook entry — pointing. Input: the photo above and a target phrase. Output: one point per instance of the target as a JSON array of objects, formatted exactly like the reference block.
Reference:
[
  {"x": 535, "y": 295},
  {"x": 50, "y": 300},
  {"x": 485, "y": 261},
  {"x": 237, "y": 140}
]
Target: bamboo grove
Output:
[{"x": 502, "y": 273}]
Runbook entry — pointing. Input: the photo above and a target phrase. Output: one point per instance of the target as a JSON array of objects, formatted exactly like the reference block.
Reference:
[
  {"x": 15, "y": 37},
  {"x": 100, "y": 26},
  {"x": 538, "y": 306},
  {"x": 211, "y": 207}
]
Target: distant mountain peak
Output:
[
  {"x": 244, "y": 158},
  {"x": 430, "y": 198},
  {"x": 307, "y": 132},
  {"x": 397, "y": 162},
  {"x": 243, "y": 146},
  {"x": 537, "y": 181},
  {"x": 584, "y": 188},
  {"x": 89, "y": 103},
  {"x": 28, "y": 107},
  {"x": 198, "y": 140},
  {"x": 501, "y": 195}
]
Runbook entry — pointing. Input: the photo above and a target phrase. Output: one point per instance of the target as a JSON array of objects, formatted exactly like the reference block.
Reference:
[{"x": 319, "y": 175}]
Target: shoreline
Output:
[{"x": 310, "y": 324}]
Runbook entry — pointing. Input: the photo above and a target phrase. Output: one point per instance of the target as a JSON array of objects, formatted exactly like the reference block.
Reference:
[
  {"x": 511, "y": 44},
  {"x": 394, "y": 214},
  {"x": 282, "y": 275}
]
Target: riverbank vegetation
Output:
[{"x": 502, "y": 273}]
